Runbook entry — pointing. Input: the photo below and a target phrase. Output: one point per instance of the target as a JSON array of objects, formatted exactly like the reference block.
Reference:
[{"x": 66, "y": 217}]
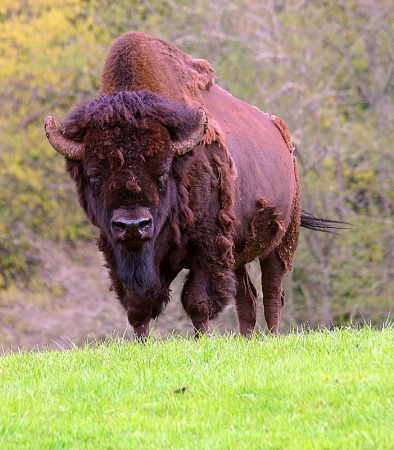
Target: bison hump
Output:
[{"x": 137, "y": 61}]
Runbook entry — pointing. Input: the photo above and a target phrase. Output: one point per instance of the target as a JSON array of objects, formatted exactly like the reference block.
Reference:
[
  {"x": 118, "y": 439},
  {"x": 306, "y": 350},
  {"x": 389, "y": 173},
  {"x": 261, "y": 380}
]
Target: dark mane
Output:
[{"x": 130, "y": 107}]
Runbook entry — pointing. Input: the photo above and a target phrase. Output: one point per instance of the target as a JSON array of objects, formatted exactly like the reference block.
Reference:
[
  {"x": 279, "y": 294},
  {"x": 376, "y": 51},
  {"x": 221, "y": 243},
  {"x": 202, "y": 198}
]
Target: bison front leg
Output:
[
  {"x": 139, "y": 313},
  {"x": 206, "y": 292},
  {"x": 245, "y": 302},
  {"x": 195, "y": 300},
  {"x": 272, "y": 272}
]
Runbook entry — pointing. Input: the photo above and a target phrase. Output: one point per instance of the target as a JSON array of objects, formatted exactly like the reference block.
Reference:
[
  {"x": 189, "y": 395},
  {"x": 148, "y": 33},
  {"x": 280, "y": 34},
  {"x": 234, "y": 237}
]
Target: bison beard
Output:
[
  {"x": 136, "y": 269},
  {"x": 128, "y": 269}
]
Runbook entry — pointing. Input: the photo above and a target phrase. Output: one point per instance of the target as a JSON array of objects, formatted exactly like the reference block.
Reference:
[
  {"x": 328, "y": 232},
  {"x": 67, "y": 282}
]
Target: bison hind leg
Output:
[
  {"x": 245, "y": 302},
  {"x": 272, "y": 273}
]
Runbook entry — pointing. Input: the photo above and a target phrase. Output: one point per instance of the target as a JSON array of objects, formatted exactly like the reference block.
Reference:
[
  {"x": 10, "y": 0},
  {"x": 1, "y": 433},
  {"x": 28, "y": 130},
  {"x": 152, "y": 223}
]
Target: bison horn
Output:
[
  {"x": 182, "y": 147},
  {"x": 66, "y": 147}
]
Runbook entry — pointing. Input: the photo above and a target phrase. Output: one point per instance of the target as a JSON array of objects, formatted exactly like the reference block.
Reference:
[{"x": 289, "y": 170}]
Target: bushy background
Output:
[{"x": 325, "y": 67}]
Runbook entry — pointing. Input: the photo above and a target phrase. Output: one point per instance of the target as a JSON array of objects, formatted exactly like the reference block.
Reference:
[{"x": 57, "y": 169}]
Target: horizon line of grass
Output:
[{"x": 260, "y": 333}]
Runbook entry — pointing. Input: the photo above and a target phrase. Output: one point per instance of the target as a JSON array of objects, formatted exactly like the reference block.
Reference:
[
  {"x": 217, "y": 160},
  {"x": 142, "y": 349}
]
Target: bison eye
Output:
[
  {"x": 94, "y": 180},
  {"x": 93, "y": 175}
]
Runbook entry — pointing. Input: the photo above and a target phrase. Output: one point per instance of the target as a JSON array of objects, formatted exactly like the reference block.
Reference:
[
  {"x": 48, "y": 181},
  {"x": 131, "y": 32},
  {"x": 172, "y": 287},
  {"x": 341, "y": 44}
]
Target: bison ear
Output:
[{"x": 188, "y": 133}]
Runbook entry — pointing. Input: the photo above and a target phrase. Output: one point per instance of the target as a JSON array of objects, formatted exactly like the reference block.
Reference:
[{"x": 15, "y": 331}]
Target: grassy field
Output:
[{"x": 307, "y": 390}]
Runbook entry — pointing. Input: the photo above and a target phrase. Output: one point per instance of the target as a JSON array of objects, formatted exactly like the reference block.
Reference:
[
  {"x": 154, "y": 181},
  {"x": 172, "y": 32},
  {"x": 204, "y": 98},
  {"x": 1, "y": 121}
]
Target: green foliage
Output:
[
  {"x": 306, "y": 390},
  {"x": 39, "y": 75}
]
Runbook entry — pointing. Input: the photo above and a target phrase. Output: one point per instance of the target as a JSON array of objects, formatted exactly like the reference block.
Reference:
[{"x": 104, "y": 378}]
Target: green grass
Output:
[{"x": 309, "y": 390}]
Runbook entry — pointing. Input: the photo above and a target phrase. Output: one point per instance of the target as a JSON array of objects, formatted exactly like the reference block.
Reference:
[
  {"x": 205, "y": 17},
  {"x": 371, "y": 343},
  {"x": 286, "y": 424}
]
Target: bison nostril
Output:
[
  {"x": 120, "y": 225},
  {"x": 144, "y": 223}
]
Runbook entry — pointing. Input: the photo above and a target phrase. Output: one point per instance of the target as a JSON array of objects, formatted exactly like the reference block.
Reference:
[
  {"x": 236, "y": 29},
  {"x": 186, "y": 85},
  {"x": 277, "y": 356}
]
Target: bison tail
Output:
[{"x": 308, "y": 220}]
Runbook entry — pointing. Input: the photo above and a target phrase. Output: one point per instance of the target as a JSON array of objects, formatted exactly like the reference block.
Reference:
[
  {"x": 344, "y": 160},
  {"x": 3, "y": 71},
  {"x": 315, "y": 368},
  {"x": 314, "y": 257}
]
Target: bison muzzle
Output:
[{"x": 132, "y": 229}]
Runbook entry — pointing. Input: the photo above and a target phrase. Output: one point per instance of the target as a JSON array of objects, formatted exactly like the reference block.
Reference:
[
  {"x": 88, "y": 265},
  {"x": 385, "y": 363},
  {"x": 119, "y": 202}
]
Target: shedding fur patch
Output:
[
  {"x": 226, "y": 216},
  {"x": 288, "y": 246},
  {"x": 284, "y": 131},
  {"x": 264, "y": 228},
  {"x": 133, "y": 186}
]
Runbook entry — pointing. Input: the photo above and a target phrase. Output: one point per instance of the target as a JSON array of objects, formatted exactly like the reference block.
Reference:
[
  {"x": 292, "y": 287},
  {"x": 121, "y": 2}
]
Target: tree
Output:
[{"x": 327, "y": 68}]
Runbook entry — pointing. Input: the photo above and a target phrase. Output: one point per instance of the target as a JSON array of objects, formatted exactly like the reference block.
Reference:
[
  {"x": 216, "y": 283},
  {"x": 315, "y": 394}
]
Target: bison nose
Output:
[
  {"x": 132, "y": 229},
  {"x": 128, "y": 224}
]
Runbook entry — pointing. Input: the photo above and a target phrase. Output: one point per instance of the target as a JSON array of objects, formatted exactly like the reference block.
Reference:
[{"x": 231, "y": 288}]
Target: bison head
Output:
[{"x": 120, "y": 150}]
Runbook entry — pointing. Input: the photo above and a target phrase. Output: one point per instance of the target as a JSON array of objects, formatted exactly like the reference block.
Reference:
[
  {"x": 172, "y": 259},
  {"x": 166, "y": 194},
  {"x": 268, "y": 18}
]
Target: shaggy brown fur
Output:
[
  {"x": 231, "y": 199},
  {"x": 137, "y": 61},
  {"x": 288, "y": 246},
  {"x": 264, "y": 227},
  {"x": 284, "y": 131}
]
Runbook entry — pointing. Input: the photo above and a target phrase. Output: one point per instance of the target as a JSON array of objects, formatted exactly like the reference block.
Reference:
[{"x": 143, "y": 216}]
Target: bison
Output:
[{"x": 177, "y": 173}]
